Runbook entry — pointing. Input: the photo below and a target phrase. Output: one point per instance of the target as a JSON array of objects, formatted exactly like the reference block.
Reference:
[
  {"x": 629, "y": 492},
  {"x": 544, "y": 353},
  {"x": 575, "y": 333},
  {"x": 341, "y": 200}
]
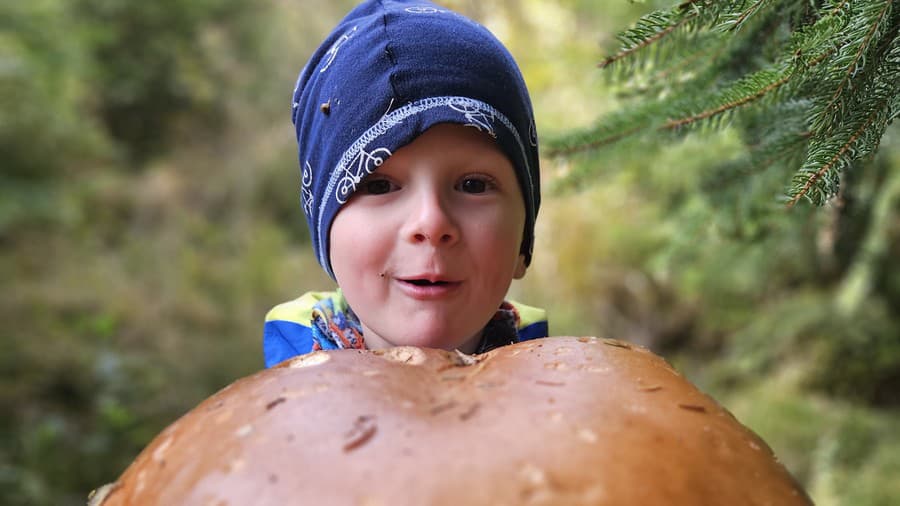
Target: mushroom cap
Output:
[{"x": 564, "y": 420}]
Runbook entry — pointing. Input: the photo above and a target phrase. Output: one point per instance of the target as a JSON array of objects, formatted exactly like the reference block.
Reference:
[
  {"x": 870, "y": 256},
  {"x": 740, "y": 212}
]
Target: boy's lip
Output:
[
  {"x": 427, "y": 286},
  {"x": 426, "y": 277}
]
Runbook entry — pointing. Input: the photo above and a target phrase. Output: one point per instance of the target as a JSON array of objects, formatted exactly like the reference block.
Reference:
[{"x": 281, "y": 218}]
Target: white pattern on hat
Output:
[
  {"x": 364, "y": 164},
  {"x": 478, "y": 117},
  {"x": 306, "y": 195},
  {"x": 332, "y": 53},
  {"x": 424, "y": 10}
]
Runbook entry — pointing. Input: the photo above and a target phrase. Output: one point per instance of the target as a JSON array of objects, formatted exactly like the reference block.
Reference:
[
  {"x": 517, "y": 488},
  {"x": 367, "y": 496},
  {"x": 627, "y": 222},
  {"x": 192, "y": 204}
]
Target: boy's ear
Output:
[{"x": 519, "y": 273}]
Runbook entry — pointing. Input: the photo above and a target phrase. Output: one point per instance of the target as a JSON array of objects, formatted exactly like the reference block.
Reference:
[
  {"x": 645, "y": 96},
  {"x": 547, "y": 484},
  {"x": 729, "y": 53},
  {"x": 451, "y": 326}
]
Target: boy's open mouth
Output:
[{"x": 425, "y": 282}]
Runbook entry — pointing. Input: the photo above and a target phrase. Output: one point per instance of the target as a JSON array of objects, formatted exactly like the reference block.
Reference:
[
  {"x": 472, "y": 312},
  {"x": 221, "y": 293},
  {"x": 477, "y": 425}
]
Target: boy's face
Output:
[{"x": 426, "y": 248}]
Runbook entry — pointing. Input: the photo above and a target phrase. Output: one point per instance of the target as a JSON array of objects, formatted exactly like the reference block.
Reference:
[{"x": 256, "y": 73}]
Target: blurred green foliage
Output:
[{"x": 149, "y": 219}]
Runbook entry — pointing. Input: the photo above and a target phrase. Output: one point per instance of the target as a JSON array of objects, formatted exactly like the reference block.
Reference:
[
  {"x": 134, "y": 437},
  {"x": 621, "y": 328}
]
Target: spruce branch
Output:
[
  {"x": 613, "y": 128},
  {"x": 649, "y": 30},
  {"x": 839, "y": 7},
  {"x": 590, "y": 142},
  {"x": 810, "y": 40},
  {"x": 837, "y": 160},
  {"x": 783, "y": 147},
  {"x": 857, "y": 137},
  {"x": 760, "y": 159},
  {"x": 820, "y": 57},
  {"x": 852, "y": 68},
  {"x": 838, "y": 58},
  {"x": 736, "y": 21},
  {"x": 740, "y": 94},
  {"x": 696, "y": 65}
]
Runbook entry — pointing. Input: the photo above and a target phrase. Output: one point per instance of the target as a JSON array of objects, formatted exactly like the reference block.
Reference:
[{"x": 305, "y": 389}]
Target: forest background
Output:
[{"x": 149, "y": 218}]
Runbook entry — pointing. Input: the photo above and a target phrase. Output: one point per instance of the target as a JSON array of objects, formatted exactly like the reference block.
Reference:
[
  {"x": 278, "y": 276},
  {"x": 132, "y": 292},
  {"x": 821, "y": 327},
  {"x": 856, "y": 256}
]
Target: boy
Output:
[{"x": 420, "y": 185}]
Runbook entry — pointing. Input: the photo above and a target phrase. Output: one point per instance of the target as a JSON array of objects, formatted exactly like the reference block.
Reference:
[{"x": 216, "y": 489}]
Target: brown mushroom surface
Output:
[{"x": 563, "y": 420}]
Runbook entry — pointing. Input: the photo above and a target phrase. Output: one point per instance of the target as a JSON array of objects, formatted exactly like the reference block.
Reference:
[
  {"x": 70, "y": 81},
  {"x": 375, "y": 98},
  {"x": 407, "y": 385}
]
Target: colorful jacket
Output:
[{"x": 289, "y": 327}]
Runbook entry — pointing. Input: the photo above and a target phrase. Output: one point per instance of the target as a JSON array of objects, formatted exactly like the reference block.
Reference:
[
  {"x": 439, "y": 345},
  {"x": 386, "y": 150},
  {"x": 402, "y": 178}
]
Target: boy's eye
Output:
[
  {"x": 473, "y": 185},
  {"x": 374, "y": 186}
]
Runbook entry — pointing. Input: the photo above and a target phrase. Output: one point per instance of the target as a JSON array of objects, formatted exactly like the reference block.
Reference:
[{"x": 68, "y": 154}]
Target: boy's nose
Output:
[{"x": 430, "y": 222}]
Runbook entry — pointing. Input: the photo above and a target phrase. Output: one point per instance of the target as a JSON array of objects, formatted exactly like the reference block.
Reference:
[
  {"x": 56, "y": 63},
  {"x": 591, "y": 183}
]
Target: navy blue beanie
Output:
[{"x": 389, "y": 71}]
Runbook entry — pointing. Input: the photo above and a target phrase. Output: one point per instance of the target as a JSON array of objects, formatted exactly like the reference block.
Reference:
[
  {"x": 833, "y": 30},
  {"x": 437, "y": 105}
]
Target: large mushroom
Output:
[{"x": 563, "y": 420}]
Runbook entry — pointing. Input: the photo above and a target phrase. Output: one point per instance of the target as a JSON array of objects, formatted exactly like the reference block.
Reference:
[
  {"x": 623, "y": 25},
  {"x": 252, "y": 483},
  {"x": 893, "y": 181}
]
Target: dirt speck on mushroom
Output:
[{"x": 363, "y": 430}]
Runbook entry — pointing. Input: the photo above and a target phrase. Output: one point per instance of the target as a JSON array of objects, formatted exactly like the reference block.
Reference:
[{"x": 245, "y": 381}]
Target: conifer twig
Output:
[
  {"x": 665, "y": 73},
  {"x": 819, "y": 59},
  {"x": 837, "y": 8},
  {"x": 746, "y": 14},
  {"x": 675, "y": 123},
  {"x": 594, "y": 144},
  {"x": 644, "y": 43},
  {"x": 759, "y": 166},
  {"x": 823, "y": 63},
  {"x": 862, "y": 49},
  {"x": 811, "y": 180}
]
